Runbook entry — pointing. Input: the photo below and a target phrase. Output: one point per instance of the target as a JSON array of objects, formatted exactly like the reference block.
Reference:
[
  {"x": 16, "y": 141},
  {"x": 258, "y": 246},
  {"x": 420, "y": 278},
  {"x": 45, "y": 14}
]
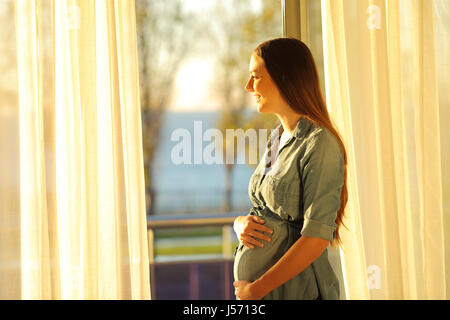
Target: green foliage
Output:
[
  {"x": 191, "y": 250},
  {"x": 191, "y": 232}
]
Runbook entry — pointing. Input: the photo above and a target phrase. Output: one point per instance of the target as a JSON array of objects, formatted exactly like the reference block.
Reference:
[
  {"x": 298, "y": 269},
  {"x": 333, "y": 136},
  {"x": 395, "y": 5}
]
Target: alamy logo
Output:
[
  {"x": 374, "y": 19},
  {"x": 373, "y": 277},
  {"x": 191, "y": 150}
]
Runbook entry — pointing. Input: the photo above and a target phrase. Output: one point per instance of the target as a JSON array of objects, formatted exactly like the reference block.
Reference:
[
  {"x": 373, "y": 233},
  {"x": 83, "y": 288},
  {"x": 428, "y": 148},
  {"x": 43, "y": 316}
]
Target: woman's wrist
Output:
[{"x": 259, "y": 288}]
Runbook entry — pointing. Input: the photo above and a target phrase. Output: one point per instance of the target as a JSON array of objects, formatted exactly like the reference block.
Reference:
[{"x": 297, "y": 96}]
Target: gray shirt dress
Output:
[{"x": 297, "y": 193}]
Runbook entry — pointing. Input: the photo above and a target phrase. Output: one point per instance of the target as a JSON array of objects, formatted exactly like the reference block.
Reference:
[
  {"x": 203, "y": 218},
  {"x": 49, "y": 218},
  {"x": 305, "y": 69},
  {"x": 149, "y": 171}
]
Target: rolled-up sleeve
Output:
[{"x": 322, "y": 173}]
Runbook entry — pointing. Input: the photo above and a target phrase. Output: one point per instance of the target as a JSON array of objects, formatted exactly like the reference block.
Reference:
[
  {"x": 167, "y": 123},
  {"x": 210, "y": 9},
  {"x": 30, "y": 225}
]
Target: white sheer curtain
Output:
[
  {"x": 72, "y": 205},
  {"x": 387, "y": 87}
]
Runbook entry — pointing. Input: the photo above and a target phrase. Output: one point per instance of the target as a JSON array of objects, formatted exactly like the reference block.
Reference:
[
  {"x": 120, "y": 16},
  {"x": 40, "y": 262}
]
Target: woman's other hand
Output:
[
  {"x": 249, "y": 229},
  {"x": 245, "y": 290}
]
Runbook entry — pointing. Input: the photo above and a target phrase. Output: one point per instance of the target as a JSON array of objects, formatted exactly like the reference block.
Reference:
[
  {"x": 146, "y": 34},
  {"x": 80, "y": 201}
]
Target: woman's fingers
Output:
[
  {"x": 258, "y": 235},
  {"x": 249, "y": 241},
  {"x": 256, "y": 229},
  {"x": 257, "y": 219},
  {"x": 260, "y": 227},
  {"x": 247, "y": 244},
  {"x": 259, "y": 224}
]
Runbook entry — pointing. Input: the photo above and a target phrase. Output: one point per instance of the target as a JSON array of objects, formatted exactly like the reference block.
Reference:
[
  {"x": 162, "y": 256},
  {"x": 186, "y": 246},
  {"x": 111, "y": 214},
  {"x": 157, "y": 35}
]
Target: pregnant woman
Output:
[{"x": 298, "y": 190}]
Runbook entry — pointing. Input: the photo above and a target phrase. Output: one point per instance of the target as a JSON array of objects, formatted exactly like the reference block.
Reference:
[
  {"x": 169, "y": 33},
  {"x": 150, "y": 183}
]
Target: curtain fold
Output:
[
  {"x": 384, "y": 74},
  {"x": 80, "y": 226},
  {"x": 34, "y": 247}
]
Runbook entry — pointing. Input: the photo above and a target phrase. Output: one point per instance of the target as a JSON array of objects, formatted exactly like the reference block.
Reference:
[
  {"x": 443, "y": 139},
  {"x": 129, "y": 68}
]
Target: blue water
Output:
[{"x": 194, "y": 188}]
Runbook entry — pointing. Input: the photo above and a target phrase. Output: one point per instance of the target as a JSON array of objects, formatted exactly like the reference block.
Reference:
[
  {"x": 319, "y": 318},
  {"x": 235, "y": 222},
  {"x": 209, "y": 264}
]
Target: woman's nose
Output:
[{"x": 249, "y": 85}]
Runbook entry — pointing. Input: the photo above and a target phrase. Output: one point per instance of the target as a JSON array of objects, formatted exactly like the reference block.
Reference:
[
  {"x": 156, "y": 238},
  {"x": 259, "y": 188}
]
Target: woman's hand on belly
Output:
[{"x": 249, "y": 229}]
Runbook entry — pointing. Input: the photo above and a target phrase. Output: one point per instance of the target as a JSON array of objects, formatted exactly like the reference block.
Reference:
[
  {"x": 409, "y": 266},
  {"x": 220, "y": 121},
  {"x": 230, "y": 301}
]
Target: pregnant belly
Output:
[{"x": 250, "y": 264}]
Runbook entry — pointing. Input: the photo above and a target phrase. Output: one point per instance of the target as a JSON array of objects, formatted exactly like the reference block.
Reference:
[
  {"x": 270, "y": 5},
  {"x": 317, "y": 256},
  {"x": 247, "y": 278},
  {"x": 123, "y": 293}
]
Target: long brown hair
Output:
[{"x": 291, "y": 66}]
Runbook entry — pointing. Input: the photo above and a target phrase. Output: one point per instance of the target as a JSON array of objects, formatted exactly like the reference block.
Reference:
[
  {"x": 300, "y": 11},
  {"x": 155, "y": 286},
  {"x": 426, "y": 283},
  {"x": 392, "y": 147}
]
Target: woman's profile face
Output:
[{"x": 264, "y": 90}]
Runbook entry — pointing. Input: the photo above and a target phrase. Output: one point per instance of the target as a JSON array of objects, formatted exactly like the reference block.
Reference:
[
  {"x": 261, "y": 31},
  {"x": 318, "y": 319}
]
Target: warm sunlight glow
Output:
[{"x": 193, "y": 87}]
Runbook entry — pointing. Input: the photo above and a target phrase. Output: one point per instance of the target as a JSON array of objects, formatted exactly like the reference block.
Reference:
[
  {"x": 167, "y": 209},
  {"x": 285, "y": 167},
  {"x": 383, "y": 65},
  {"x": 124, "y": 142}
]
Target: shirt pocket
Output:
[
  {"x": 274, "y": 191},
  {"x": 283, "y": 196}
]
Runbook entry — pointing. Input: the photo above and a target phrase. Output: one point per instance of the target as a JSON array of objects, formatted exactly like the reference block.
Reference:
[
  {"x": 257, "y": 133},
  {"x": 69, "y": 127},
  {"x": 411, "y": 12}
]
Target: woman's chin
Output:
[{"x": 261, "y": 108}]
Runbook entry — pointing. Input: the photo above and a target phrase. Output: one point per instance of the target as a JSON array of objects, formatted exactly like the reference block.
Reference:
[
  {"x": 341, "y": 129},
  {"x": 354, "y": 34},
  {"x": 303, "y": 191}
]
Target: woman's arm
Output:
[{"x": 299, "y": 256}]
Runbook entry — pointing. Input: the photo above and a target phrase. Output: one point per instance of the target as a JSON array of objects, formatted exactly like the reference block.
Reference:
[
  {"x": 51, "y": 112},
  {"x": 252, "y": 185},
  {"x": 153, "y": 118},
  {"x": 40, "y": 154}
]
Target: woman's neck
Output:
[{"x": 289, "y": 121}]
